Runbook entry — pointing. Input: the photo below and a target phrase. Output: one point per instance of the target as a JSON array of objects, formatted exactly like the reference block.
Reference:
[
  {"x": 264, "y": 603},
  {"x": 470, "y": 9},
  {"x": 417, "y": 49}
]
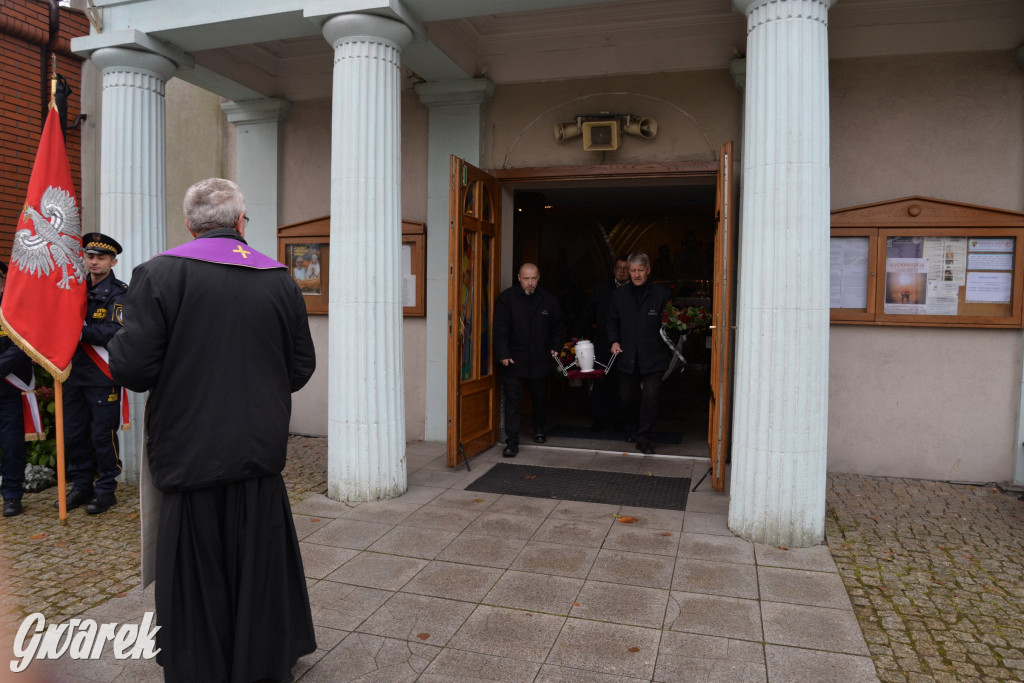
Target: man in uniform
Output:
[
  {"x": 92, "y": 400},
  {"x": 16, "y": 372},
  {"x": 634, "y": 326},
  {"x": 218, "y": 333},
  {"x": 528, "y": 330},
  {"x": 604, "y": 396}
]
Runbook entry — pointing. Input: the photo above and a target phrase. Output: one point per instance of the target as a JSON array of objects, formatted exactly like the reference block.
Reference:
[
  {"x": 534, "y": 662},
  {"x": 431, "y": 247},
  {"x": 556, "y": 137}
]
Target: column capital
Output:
[
  {"x": 454, "y": 93},
  {"x": 264, "y": 110},
  {"x": 745, "y": 7},
  {"x": 346, "y": 28},
  {"x": 135, "y": 60}
]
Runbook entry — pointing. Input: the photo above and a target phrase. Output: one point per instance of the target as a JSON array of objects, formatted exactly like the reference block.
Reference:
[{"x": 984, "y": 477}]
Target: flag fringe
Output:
[{"x": 57, "y": 374}]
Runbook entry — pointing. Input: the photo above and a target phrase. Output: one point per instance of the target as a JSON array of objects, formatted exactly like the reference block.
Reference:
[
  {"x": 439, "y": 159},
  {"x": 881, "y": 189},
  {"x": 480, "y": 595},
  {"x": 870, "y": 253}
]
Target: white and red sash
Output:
[
  {"x": 29, "y": 407},
  {"x": 101, "y": 358}
]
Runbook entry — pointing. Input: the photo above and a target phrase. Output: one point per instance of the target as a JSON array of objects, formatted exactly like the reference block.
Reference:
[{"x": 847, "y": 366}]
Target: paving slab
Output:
[
  {"x": 917, "y": 581},
  {"x": 607, "y": 648},
  {"x": 511, "y": 633}
]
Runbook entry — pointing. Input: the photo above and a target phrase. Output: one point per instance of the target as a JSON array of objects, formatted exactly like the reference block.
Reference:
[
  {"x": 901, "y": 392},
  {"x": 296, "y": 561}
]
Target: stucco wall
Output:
[
  {"x": 305, "y": 169},
  {"x": 947, "y": 126},
  {"x": 696, "y": 112},
  {"x": 935, "y": 403},
  {"x": 924, "y": 403}
]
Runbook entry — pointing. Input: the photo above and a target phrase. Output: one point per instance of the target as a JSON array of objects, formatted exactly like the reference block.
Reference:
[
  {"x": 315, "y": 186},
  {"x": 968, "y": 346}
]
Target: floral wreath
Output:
[{"x": 688, "y": 320}]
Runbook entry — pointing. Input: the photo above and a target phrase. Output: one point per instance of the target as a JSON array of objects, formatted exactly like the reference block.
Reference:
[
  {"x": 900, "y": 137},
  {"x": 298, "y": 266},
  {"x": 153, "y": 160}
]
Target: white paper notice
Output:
[
  {"x": 947, "y": 259},
  {"x": 989, "y": 288},
  {"x": 942, "y": 298},
  {"x": 408, "y": 290},
  {"x": 990, "y": 262},
  {"x": 849, "y": 272},
  {"x": 991, "y": 244}
]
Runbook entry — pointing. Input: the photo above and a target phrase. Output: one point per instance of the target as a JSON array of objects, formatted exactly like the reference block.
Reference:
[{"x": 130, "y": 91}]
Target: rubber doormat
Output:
[
  {"x": 573, "y": 432},
  {"x": 589, "y": 486}
]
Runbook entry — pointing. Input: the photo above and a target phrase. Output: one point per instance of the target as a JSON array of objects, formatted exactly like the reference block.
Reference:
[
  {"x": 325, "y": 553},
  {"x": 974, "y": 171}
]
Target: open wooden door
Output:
[
  {"x": 474, "y": 242},
  {"x": 723, "y": 319}
]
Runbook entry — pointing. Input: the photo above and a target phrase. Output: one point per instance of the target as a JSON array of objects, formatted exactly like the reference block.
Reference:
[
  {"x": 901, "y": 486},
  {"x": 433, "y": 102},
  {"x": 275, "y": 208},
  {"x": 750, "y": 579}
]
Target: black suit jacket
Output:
[
  {"x": 636, "y": 327},
  {"x": 527, "y": 329},
  {"x": 595, "y": 312}
]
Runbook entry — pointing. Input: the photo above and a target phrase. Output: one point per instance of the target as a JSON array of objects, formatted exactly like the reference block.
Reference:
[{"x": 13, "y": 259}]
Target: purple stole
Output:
[{"x": 224, "y": 250}]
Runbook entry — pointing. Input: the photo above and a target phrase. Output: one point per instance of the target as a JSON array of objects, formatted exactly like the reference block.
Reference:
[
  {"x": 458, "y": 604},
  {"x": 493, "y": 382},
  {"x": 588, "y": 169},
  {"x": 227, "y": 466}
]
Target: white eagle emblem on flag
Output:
[{"x": 57, "y": 241}]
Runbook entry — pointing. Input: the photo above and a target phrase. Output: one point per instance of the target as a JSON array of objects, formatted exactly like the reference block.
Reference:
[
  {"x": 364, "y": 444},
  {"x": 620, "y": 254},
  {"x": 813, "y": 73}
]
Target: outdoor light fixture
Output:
[{"x": 603, "y": 132}]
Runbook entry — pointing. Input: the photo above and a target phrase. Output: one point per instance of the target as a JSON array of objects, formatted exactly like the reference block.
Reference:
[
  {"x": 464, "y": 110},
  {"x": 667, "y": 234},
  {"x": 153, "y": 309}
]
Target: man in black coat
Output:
[
  {"x": 92, "y": 400},
  {"x": 528, "y": 330},
  {"x": 15, "y": 371},
  {"x": 218, "y": 333},
  {"x": 634, "y": 325},
  {"x": 593, "y": 319}
]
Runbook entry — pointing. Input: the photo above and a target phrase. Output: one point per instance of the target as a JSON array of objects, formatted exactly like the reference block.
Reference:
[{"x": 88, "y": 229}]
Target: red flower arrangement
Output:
[
  {"x": 568, "y": 353},
  {"x": 687, "y": 320}
]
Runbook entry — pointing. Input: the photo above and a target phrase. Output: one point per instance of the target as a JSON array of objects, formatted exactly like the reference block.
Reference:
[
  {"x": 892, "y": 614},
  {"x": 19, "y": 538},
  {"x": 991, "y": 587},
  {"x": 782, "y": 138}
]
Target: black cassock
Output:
[{"x": 221, "y": 348}]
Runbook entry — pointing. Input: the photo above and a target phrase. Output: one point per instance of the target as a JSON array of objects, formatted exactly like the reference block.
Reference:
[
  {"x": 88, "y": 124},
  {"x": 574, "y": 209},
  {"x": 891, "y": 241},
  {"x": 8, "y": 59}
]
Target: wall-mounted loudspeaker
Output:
[
  {"x": 645, "y": 128},
  {"x": 601, "y": 136}
]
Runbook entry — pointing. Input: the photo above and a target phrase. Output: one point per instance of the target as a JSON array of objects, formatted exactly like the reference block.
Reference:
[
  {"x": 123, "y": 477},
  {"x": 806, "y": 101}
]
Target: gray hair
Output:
[
  {"x": 213, "y": 203},
  {"x": 640, "y": 258}
]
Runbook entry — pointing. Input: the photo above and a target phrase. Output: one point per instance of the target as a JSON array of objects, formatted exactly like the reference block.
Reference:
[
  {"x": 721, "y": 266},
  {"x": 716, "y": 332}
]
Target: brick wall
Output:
[{"x": 25, "y": 46}]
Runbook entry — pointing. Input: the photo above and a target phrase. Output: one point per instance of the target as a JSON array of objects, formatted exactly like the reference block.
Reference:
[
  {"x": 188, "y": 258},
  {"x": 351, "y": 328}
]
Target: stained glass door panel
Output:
[{"x": 474, "y": 248}]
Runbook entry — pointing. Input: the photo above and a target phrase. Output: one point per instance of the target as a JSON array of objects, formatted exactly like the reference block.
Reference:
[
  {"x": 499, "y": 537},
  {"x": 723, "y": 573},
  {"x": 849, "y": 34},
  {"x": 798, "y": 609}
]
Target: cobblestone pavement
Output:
[
  {"x": 935, "y": 572},
  {"x": 62, "y": 571}
]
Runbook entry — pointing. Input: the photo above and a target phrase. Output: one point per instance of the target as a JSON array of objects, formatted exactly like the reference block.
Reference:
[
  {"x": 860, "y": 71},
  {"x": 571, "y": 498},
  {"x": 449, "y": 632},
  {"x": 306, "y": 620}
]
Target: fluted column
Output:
[
  {"x": 455, "y": 127},
  {"x": 365, "y": 390},
  {"x": 133, "y": 188},
  {"x": 257, "y": 165},
  {"x": 780, "y": 404}
]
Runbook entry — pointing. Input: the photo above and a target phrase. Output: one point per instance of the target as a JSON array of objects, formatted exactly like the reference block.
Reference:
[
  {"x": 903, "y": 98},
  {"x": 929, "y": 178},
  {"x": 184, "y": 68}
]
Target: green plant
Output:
[{"x": 44, "y": 451}]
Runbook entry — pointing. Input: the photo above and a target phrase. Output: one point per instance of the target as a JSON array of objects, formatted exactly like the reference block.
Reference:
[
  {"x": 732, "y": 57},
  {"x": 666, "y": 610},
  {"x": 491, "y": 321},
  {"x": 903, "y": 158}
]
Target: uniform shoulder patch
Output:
[{"x": 118, "y": 316}]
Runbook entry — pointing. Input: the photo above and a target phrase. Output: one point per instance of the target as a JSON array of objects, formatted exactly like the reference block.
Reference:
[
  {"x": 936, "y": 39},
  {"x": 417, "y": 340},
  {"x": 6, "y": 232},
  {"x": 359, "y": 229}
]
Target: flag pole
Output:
[{"x": 58, "y": 402}]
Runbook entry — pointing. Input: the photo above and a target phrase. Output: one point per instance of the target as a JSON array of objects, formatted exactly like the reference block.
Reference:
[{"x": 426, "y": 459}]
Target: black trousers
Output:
[
  {"x": 645, "y": 418},
  {"x": 91, "y": 419},
  {"x": 513, "y": 387},
  {"x": 605, "y": 404},
  {"x": 12, "y": 443}
]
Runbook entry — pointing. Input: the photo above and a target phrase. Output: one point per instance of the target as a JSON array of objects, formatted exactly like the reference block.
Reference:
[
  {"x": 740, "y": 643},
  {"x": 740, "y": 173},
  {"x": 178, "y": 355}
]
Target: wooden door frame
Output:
[{"x": 653, "y": 171}]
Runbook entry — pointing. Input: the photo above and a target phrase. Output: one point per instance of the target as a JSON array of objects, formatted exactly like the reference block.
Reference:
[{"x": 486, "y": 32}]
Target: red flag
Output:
[{"x": 43, "y": 305}]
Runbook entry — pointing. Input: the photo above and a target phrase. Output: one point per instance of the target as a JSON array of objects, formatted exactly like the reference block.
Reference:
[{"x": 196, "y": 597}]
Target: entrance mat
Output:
[
  {"x": 573, "y": 432},
  {"x": 589, "y": 486}
]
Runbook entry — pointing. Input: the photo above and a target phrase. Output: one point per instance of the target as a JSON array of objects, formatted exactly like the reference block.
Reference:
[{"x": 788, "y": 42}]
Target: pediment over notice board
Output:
[{"x": 925, "y": 212}]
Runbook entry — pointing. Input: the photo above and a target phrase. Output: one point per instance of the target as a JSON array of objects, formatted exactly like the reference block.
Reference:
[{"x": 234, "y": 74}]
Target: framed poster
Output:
[
  {"x": 306, "y": 250},
  {"x": 414, "y": 269}
]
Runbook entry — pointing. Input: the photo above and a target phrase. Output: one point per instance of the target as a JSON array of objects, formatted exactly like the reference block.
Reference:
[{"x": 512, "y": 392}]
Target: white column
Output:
[
  {"x": 133, "y": 188},
  {"x": 456, "y": 126},
  {"x": 257, "y": 165},
  {"x": 365, "y": 390},
  {"x": 780, "y": 403}
]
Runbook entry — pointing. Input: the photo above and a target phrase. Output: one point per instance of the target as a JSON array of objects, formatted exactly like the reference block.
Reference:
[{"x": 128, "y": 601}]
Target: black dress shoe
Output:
[
  {"x": 75, "y": 498},
  {"x": 645, "y": 448},
  {"x": 12, "y": 507},
  {"x": 100, "y": 503},
  {"x": 510, "y": 450},
  {"x": 539, "y": 438}
]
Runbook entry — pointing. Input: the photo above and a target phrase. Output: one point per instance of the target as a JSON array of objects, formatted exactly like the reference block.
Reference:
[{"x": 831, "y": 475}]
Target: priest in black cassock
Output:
[{"x": 218, "y": 333}]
